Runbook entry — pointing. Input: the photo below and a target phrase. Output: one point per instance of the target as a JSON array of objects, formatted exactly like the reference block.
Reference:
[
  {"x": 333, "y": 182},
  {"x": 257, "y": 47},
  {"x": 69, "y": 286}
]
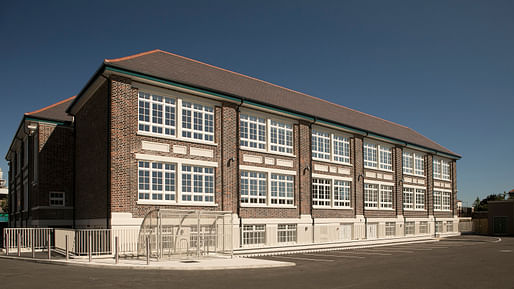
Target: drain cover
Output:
[{"x": 189, "y": 261}]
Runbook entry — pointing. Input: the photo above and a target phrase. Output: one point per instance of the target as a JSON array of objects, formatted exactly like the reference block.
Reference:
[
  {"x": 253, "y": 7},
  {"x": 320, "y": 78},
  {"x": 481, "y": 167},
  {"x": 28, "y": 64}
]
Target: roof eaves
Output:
[
  {"x": 50, "y": 106},
  {"x": 112, "y": 67},
  {"x": 98, "y": 72}
]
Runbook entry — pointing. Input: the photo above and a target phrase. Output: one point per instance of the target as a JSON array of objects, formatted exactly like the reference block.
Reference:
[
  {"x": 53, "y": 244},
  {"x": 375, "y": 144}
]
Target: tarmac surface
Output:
[{"x": 458, "y": 262}]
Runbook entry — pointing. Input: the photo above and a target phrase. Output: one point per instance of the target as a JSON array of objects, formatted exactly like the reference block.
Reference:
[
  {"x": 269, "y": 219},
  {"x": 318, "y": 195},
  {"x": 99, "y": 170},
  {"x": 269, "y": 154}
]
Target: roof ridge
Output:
[
  {"x": 133, "y": 56},
  {"x": 253, "y": 78},
  {"x": 50, "y": 106}
]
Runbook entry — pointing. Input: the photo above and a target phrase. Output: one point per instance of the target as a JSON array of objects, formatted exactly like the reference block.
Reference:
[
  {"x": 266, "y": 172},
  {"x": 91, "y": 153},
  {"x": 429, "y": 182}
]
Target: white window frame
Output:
[
  {"x": 413, "y": 163},
  {"x": 282, "y": 190},
  {"x": 245, "y": 143},
  {"x": 153, "y": 171},
  {"x": 410, "y": 228},
  {"x": 321, "y": 148},
  {"x": 441, "y": 196},
  {"x": 269, "y": 174},
  {"x": 56, "y": 198},
  {"x": 200, "y": 187},
  {"x": 179, "y": 98},
  {"x": 333, "y": 183},
  {"x": 331, "y": 141},
  {"x": 250, "y": 179},
  {"x": 249, "y": 122},
  {"x": 416, "y": 205},
  {"x": 253, "y": 235},
  {"x": 198, "y": 112},
  {"x": 165, "y": 102},
  {"x": 287, "y": 233},
  {"x": 284, "y": 128},
  {"x": 374, "y": 156},
  {"x": 441, "y": 169},
  {"x": 423, "y": 227},
  {"x": 449, "y": 226},
  {"x": 381, "y": 203},
  {"x": 321, "y": 193},
  {"x": 390, "y": 229},
  {"x": 179, "y": 174}
]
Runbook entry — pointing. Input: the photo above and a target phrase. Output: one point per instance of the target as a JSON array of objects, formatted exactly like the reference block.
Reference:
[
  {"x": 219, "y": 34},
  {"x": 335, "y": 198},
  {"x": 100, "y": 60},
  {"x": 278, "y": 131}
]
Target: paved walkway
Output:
[{"x": 217, "y": 263}]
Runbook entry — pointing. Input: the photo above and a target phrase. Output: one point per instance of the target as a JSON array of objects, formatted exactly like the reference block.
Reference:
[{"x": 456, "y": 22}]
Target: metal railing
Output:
[
  {"x": 102, "y": 241},
  {"x": 27, "y": 239}
]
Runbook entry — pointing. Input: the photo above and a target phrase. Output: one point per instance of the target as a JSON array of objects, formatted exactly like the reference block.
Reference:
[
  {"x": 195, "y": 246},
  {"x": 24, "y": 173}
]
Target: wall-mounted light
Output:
[
  {"x": 31, "y": 127},
  {"x": 230, "y": 160},
  {"x": 359, "y": 177},
  {"x": 307, "y": 168}
]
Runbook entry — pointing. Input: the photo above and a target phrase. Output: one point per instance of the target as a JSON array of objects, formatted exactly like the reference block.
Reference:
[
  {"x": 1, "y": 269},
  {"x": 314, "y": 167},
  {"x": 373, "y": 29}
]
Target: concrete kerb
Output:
[
  {"x": 261, "y": 252},
  {"x": 203, "y": 264}
]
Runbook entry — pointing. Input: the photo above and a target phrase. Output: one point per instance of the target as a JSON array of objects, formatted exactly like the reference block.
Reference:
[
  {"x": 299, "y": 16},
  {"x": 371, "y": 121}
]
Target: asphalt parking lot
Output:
[{"x": 460, "y": 262}]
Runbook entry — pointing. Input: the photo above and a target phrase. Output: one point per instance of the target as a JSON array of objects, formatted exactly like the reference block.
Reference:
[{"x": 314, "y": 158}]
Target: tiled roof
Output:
[
  {"x": 172, "y": 67},
  {"x": 56, "y": 111}
]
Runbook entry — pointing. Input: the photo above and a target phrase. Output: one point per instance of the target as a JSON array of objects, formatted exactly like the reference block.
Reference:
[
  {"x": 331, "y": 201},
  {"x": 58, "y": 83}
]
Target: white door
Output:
[
  {"x": 372, "y": 231},
  {"x": 346, "y": 231}
]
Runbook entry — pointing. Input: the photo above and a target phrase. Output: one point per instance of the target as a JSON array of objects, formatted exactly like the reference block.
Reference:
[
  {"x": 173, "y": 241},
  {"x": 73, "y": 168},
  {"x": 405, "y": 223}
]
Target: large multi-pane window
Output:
[
  {"x": 446, "y": 201},
  {"x": 253, "y": 187},
  {"x": 441, "y": 169},
  {"x": 287, "y": 233},
  {"x": 330, "y": 147},
  {"x": 253, "y": 131},
  {"x": 410, "y": 228},
  {"x": 262, "y": 188},
  {"x": 157, "y": 181},
  {"x": 282, "y": 189},
  {"x": 157, "y": 115},
  {"x": 419, "y": 199},
  {"x": 439, "y": 226},
  {"x": 442, "y": 200},
  {"x": 390, "y": 229},
  {"x": 197, "y": 121},
  {"x": 254, "y": 234},
  {"x": 197, "y": 184},
  {"x": 371, "y": 196},
  {"x": 449, "y": 226},
  {"x": 281, "y": 137},
  {"x": 330, "y": 193},
  {"x": 321, "y": 195},
  {"x": 377, "y": 156},
  {"x": 265, "y": 134},
  {"x": 413, "y": 198},
  {"x": 320, "y": 145},
  {"x": 408, "y": 198},
  {"x": 378, "y": 196},
  {"x": 423, "y": 227},
  {"x": 413, "y": 163}
]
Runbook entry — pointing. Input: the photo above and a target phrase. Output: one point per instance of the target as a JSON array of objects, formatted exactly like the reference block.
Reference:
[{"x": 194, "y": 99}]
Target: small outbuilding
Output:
[{"x": 501, "y": 217}]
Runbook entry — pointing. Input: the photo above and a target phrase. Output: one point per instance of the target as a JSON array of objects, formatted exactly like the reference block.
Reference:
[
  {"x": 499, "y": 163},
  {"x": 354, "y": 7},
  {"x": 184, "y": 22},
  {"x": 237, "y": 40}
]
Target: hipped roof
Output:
[{"x": 168, "y": 66}]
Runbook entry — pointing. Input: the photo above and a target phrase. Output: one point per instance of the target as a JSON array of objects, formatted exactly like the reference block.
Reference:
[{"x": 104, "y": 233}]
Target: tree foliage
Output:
[{"x": 481, "y": 205}]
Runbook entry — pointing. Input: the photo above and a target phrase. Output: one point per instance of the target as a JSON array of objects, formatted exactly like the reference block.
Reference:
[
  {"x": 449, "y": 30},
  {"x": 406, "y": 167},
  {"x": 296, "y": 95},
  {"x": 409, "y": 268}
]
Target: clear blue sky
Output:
[{"x": 444, "y": 68}]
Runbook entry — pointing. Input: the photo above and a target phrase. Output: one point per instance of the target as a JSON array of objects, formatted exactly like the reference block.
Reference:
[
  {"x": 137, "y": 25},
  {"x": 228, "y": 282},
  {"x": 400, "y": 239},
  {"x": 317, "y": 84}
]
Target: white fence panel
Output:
[
  {"x": 27, "y": 238},
  {"x": 127, "y": 240}
]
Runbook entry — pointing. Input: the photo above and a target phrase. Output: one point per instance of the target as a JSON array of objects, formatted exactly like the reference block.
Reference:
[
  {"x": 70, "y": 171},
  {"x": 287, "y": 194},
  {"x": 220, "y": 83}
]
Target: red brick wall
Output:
[
  {"x": 358, "y": 161},
  {"x": 92, "y": 154},
  {"x": 228, "y": 124},
  {"x": 304, "y": 142},
  {"x": 125, "y": 143}
]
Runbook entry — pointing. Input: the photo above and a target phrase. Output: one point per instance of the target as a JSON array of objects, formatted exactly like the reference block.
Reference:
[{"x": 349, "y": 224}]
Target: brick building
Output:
[
  {"x": 41, "y": 169},
  {"x": 157, "y": 130}
]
